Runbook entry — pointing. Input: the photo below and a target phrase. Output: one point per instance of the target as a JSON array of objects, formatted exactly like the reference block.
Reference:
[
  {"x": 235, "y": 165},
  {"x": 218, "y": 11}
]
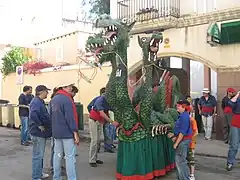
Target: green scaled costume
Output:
[{"x": 144, "y": 151}]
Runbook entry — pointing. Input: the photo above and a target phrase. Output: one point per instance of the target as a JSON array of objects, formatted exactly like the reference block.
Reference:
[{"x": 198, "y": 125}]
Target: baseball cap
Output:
[
  {"x": 231, "y": 90},
  {"x": 183, "y": 102},
  {"x": 41, "y": 88}
]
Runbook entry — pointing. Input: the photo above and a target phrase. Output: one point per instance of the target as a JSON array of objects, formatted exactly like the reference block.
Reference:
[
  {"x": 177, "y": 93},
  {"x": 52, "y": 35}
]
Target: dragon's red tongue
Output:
[
  {"x": 110, "y": 34},
  {"x": 98, "y": 50}
]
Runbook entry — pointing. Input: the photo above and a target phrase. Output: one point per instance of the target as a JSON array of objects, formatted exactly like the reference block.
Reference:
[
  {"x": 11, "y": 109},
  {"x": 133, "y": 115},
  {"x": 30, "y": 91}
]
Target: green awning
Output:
[
  {"x": 214, "y": 32},
  {"x": 230, "y": 32}
]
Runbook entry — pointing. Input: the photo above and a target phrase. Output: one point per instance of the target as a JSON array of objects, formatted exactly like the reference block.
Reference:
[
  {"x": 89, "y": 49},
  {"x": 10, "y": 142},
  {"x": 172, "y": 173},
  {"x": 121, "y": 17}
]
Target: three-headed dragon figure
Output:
[{"x": 144, "y": 151}]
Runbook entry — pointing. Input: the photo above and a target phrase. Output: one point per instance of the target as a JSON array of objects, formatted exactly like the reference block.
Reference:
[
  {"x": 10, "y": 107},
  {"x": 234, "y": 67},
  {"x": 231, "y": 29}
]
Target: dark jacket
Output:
[
  {"x": 235, "y": 106},
  {"x": 39, "y": 116},
  {"x": 22, "y": 100},
  {"x": 207, "y": 106},
  {"x": 225, "y": 105},
  {"x": 62, "y": 116}
]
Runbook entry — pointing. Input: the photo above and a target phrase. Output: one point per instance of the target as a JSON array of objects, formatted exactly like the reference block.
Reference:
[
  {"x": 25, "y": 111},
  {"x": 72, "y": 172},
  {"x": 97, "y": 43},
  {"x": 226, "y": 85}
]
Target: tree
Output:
[
  {"x": 97, "y": 8},
  {"x": 15, "y": 57}
]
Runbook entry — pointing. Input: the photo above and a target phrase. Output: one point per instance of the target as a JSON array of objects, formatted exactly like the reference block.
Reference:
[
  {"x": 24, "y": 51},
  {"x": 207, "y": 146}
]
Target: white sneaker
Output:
[
  {"x": 192, "y": 177},
  {"x": 44, "y": 175}
]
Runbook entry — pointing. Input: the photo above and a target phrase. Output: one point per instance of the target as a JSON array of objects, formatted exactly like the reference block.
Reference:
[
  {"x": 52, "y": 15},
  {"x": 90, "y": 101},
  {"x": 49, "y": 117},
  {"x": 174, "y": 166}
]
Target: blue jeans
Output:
[
  {"x": 233, "y": 145},
  {"x": 67, "y": 147},
  {"x": 108, "y": 131},
  {"x": 52, "y": 152},
  {"x": 37, "y": 157},
  {"x": 181, "y": 160},
  {"x": 24, "y": 129}
]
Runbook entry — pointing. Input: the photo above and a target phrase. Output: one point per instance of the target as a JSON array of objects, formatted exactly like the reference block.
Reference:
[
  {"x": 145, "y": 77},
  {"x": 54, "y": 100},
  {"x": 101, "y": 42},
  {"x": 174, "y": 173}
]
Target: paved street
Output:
[{"x": 15, "y": 162}]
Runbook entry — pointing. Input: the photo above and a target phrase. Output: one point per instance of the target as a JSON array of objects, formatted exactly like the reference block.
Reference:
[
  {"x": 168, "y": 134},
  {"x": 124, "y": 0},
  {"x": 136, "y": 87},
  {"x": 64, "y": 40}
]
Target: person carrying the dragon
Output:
[
  {"x": 182, "y": 135},
  {"x": 98, "y": 116}
]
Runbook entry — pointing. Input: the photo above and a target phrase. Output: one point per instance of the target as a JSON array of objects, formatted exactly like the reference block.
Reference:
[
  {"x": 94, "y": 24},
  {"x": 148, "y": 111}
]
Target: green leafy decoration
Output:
[{"x": 15, "y": 57}]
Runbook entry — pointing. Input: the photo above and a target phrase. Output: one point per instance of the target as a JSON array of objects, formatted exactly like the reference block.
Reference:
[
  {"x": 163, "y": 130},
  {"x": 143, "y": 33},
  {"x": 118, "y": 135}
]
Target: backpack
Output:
[{"x": 91, "y": 104}]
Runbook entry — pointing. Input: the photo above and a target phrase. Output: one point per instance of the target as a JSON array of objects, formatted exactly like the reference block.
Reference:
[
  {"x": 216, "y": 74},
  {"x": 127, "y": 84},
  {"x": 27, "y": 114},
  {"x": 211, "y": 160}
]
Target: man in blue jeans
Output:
[
  {"x": 24, "y": 102},
  {"x": 65, "y": 132},
  {"x": 182, "y": 135},
  {"x": 40, "y": 130},
  {"x": 235, "y": 132}
]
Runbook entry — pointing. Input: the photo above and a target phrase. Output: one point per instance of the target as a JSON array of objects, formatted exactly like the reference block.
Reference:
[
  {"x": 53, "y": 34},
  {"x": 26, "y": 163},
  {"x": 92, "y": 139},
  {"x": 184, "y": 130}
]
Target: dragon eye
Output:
[
  {"x": 144, "y": 39},
  {"x": 124, "y": 20}
]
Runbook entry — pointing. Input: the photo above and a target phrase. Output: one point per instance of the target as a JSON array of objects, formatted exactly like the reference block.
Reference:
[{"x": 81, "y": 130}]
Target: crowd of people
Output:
[{"x": 59, "y": 121}]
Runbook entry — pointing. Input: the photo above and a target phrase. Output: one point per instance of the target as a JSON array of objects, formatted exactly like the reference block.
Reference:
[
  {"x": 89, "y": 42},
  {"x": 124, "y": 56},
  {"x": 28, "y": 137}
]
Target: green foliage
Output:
[
  {"x": 98, "y": 7},
  {"x": 12, "y": 59}
]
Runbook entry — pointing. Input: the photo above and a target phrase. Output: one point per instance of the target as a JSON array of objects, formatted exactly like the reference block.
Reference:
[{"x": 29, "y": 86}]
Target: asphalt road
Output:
[{"x": 15, "y": 163}]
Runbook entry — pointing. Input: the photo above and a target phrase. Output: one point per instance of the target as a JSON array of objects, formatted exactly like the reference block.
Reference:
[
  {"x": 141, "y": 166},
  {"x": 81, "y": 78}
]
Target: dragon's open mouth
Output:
[
  {"x": 154, "y": 45},
  {"x": 110, "y": 33},
  {"x": 95, "y": 48}
]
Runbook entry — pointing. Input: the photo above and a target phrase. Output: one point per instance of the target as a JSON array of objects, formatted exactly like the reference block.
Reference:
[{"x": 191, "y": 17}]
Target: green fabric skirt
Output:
[{"x": 145, "y": 159}]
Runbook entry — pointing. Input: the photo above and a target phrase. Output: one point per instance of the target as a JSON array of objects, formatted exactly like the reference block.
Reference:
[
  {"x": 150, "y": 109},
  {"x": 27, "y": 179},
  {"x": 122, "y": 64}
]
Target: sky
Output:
[{"x": 25, "y": 21}]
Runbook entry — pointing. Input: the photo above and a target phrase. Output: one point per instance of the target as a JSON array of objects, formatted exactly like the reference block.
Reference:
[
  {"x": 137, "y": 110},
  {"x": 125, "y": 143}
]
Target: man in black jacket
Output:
[{"x": 227, "y": 109}]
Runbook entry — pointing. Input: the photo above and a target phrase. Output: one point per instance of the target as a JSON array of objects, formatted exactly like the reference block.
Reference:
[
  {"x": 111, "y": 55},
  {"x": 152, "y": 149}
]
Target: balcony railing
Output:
[{"x": 144, "y": 10}]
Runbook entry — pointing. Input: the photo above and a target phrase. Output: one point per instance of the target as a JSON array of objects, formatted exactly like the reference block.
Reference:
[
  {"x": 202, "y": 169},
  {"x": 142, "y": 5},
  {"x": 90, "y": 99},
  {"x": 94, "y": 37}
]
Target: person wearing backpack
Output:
[{"x": 98, "y": 116}]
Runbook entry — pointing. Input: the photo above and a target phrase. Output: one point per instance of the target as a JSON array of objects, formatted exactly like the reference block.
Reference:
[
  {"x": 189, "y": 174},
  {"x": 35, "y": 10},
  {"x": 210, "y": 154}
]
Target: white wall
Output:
[
  {"x": 206, "y": 6},
  {"x": 224, "y": 4}
]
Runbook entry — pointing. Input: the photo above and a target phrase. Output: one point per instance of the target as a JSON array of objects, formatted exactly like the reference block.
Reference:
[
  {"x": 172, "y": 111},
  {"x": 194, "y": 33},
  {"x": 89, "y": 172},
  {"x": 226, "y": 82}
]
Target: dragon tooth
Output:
[
  {"x": 96, "y": 45},
  {"x": 110, "y": 27},
  {"x": 104, "y": 43},
  {"x": 153, "y": 130},
  {"x": 113, "y": 27},
  {"x": 111, "y": 43},
  {"x": 114, "y": 40},
  {"x": 151, "y": 43},
  {"x": 92, "y": 45}
]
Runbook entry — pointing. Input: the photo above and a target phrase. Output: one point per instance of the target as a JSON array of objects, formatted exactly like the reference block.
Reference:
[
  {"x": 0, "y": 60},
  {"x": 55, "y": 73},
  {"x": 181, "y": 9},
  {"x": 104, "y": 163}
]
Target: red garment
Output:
[
  {"x": 227, "y": 109},
  {"x": 95, "y": 115},
  {"x": 207, "y": 109},
  {"x": 236, "y": 120},
  {"x": 73, "y": 104}
]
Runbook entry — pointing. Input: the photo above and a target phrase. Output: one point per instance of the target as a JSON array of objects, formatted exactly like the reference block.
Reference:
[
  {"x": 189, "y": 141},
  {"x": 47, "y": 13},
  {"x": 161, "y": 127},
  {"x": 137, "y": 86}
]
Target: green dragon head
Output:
[
  {"x": 150, "y": 45},
  {"x": 95, "y": 45},
  {"x": 114, "y": 31}
]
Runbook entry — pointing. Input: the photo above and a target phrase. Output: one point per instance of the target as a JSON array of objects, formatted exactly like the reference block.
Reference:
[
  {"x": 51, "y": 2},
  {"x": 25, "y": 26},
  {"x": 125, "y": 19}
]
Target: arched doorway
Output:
[{"x": 182, "y": 73}]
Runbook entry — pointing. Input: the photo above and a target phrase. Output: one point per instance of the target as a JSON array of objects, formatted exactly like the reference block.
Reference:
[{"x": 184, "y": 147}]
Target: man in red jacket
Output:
[{"x": 227, "y": 109}]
